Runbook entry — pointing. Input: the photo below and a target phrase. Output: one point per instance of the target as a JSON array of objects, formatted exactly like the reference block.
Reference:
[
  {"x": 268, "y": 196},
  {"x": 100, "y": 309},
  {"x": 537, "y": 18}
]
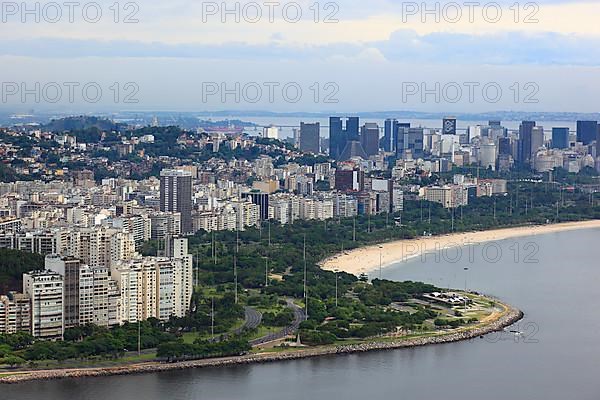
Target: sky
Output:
[{"x": 344, "y": 56}]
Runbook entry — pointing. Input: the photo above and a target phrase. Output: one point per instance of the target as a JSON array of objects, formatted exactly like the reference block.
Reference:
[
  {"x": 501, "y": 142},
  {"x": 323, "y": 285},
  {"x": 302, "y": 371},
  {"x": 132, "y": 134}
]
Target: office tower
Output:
[
  {"x": 587, "y": 131},
  {"x": 176, "y": 196},
  {"x": 370, "y": 138},
  {"x": 353, "y": 128},
  {"x": 504, "y": 146},
  {"x": 487, "y": 155},
  {"x": 410, "y": 140},
  {"x": 560, "y": 138},
  {"x": 495, "y": 124},
  {"x": 449, "y": 126},
  {"x": 261, "y": 200},
  {"x": 310, "y": 137},
  {"x": 525, "y": 148},
  {"x": 45, "y": 291},
  {"x": 389, "y": 133},
  {"x": 537, "y": 140},
  {"x": 339, "y": 137},
  {"x": 336, "y": 137},
  {"x": 69, "y": 269}
]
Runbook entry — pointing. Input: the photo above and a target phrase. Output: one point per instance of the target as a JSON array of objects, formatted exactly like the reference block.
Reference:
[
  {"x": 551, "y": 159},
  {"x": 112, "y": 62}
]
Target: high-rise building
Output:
[
  {"x": 176, "y": 196},
  {"x": 165, "y": 224},
  {"x": 337, "y": 140},
  {"x": 353, "y": 128},
  {"x": 69, "y": 269},
  {"x": 261, "y": 200},
  {"x": 560, "y": 138},
  {"x": 504, "y": 146},
  {"x": 410, "y": 140},
  {"x": 153, "y": 287},
  {"x": 587, "y": 131},
  {"x": 45, "y": 291},
  {"x": 598, "y": 150},
  {"x": 339, "y": 137},
  {"x": 15, "y": 313},
  {"x": 537, "y": 140},
  {"x": 525, "y": 147},
  {"x": 449, "y": 126},
  {"x": 310, "y": 138},
  {"x": 390, "y": 133},
  {"x": 370, "y": 138},
  {"x": 349, "y": 180},
  {"x": 271, "y": 132}
]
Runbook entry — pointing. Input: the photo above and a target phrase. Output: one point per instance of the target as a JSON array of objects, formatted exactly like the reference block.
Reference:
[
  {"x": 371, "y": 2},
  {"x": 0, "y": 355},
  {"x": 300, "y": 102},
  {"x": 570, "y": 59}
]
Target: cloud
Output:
[{"x": 404, "y": 45}]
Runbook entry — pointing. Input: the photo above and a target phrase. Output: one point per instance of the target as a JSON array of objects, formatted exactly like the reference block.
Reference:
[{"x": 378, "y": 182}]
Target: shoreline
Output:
[
  {"x": 367, "y": 259},
  {"x": 509, "y": 316}
]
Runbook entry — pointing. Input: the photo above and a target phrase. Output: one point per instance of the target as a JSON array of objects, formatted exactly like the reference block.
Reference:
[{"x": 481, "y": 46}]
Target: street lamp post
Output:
[
  {"x": 336, "y": 288},
  {"x": 466, "y": 274},
  {"x": 380, "y": 262}
]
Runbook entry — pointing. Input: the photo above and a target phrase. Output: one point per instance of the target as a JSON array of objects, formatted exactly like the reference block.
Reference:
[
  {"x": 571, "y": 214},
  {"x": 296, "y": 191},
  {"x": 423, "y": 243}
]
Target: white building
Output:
[{"x": 45, "y": 291}]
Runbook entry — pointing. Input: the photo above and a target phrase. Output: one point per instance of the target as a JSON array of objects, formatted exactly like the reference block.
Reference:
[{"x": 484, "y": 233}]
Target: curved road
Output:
[
  {"x": 252, "y": 320},
  {"x": 299, "y": 317}
]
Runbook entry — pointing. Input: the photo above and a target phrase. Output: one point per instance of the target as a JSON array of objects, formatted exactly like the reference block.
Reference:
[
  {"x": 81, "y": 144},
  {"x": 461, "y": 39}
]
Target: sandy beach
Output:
[{"x": 368, "y": 259}]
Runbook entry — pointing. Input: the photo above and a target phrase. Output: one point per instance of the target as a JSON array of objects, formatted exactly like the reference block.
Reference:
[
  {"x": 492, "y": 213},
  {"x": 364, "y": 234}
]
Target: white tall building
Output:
[
  {"x": 271, "y": 132},
  {"x": 153, "y": 287},
  {"x": 45, "y": 290}
]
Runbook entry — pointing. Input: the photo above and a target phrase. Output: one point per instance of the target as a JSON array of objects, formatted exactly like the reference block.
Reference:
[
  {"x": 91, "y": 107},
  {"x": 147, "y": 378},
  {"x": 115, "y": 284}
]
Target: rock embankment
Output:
[{"x": 510, "y": 317}]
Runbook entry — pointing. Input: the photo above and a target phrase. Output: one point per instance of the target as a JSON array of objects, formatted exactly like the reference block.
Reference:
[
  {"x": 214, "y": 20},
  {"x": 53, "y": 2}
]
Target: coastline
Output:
[
  {"x": 509, "y": 316},
  {"x": 367, "y": 259}
]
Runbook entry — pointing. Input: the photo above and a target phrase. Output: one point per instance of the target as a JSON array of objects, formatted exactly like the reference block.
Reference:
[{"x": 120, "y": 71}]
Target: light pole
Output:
[
  {"x": 380, "y": 262},
  {"x": 305, "y": 278},
  {"x": 466, "y": 274}
]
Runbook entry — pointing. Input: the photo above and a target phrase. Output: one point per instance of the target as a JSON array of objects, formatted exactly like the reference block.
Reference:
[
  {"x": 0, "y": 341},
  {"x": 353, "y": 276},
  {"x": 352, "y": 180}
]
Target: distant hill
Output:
[{"x": 82, "y": 123}]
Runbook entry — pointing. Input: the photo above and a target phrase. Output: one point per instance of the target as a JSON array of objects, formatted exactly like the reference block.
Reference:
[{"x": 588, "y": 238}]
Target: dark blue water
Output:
[{"x": 557, "y": 357}]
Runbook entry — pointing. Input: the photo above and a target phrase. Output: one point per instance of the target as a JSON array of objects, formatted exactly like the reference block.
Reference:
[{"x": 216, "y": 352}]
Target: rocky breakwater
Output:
[{"x": 509, "y": 317}]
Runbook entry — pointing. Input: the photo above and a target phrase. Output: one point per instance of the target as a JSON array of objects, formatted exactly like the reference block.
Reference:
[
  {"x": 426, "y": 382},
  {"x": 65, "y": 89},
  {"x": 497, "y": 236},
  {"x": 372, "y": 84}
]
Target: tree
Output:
[{"x": 12, "y": 361}]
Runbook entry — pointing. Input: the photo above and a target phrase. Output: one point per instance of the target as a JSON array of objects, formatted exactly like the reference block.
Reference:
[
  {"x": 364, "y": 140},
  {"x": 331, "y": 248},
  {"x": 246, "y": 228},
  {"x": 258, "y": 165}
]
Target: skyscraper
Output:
[
  {"x": 560, "y": 138},
  {"x": 504, "y": 146},
  {"x": 410, "y": 140},
  {"x": 337, "y": 140},
  {"x": 310, "y": 137},
  {"x": 176, "y": 196},
  {"x": 339, "y": 137},
  {"x": 370, "y": 138},
  {"x": 525, "y": 131},
  {"x": 537, "y": 141},
  {"x": 587, "y": 131},
  {"x": 353, "y": 128},
  {"x": 391, "y": 131},
  {"x": 449, "y": 126}
]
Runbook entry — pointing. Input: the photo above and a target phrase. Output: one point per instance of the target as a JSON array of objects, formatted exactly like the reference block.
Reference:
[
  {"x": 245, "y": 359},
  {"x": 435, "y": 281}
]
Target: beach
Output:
[{"x": 368, "y": 259}]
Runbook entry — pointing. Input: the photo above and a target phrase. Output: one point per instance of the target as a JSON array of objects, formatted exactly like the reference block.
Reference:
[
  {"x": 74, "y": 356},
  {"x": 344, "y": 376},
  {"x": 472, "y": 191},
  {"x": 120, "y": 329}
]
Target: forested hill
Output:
[{"x": 13, "y": 263}]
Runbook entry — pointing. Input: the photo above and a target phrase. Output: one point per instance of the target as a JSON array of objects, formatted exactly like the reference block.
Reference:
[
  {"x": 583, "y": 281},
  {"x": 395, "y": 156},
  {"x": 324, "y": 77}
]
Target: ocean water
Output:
[{"x": 553, "y": 278}]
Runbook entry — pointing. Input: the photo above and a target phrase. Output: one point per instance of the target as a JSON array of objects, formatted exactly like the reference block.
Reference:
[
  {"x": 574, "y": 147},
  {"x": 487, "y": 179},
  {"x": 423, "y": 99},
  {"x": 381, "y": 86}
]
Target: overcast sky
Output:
[{"x": 351, "y": 55}]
